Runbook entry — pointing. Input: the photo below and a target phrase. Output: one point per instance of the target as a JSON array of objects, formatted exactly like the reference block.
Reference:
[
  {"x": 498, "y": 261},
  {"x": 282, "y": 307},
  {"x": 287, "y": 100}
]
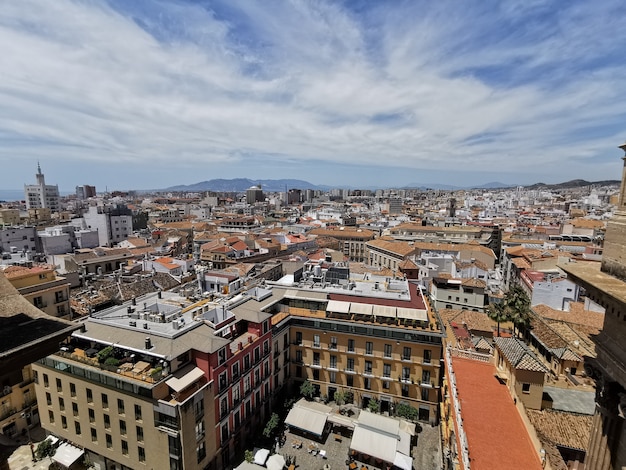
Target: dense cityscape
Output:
[{"x": 396, "y": 328}]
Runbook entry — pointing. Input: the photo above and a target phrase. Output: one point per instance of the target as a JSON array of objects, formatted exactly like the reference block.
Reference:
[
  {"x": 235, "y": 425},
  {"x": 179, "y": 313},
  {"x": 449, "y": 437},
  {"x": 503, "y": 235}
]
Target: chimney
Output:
[{"x": 148, "y": 343}]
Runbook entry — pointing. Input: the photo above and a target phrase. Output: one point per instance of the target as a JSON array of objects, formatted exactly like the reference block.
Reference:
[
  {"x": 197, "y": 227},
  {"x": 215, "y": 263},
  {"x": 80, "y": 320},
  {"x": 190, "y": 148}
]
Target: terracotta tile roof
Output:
[
  {"x": 561, "y": 428},
  {"x": 576, "y": 315},
  {"x": 471, "y": 282},
  {"x": 396, "y": 247},
  {"x": 475, "y": 321},
  {"x": 488, "y": 411},
  {"x": 519, "y": 355},
  {"x": 588, "y": 223}
]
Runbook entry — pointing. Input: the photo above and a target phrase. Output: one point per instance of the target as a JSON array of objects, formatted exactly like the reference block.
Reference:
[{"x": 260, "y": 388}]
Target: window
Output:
[
  {"x": 120, "y": 406},
  {"x": 406, "y": 353},
  {"x": 285, "y": 341},
  {"x": 525, "y": 388},
  {"x": 89, "y": 396},
  {"x": 316, "y": 341},
  {"x": 138, "y": 412},
  {"x": 368, "y": 367},
  {"x": 387, "y": 350},
  {"x": 38, "y": 302},
  {"x": 425, "y": 394},
  {"x": 64, "y": 422},
  {"x": 425, "y": 376},
  {"x": 350, "y": 345},
  {"x": 224, "y": 433},
  {"x": 200, "y": 451},
  {"x": 387, "y": 370},
  {"x": 298, "y": 372},
  {"x": 333, "y": 362},
  {"x": 72, "y": 389},
  {"x": 316, "y": 374},
  {"x": 94, "y": 435},
  {"x": 333, "y": 343},
  {"x": 59, "y": 385},
  {"x": 350, "y": 381},
  {"x": 46, "y": 382},
  {"x": 105, "y": 401},
  {"x": 141, "y": 454},
  {"x": 350, "y": 366},
  {"x": 333, "y": 377},
  {"x": 61, "y": 404},
  {"x": 405, "y": 390},
  {"x": 48, "y": 399},
  {"x": 139, "y": 431},
  {"x": 122, "y": 427},
  {"x": 51, "y": 416},
  {"x": 107, "y": 422},
  {"x": 109, "y": 441},
  {"x": 316, "y": 359},
  {"x": 367, "y": 384},
  {"x": 235, "y": 371},
  {"x": 221, "y": 356},
  {"x": 246, "y": 362},
  {"x": 223, "y": 408},
  {"x": 298, "y": 337},
  {"x": 427, "y": 356},
  {"x": 92, "y": 415},
  {"x": 385, "y": 385},
  {"x": 75, "y": 409},
  {"x": 124, "y": 447},
  {"x": 369, "y": 348},
  {"x": 406, "y": 374}
]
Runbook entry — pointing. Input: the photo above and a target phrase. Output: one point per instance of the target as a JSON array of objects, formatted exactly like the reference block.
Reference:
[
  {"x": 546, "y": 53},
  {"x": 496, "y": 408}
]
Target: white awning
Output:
[
  {"x": 407, "y": 427},
  {"x": 275, "y": 462},
  {"x": 307, "y": 420},
  {"x": 384, "y": 311},
  {"x": 338, "y": 306},
  {"x": 380, "y": 423},
  {"x": 380, "y": 446},
  {"x": 180, "y": 383},
  {"x": 66, "y": 454},
  {"x": 361, "y": 309},
  {"x": 412, "y": 314},
  {"x": 403, "y": 461},
  {"x": 261, "y": 456},
  {"x": 341, "y": 420},
  {"x": 305, "y": 295}
]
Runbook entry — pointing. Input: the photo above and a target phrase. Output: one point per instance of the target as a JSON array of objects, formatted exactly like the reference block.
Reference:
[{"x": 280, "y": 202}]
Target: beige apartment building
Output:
[
  {"x": 168, "y": 385},
  {"x": 353, "y": 240},
  {"x": 374, "y": 339},
  {"x": 42, "y": 287}
]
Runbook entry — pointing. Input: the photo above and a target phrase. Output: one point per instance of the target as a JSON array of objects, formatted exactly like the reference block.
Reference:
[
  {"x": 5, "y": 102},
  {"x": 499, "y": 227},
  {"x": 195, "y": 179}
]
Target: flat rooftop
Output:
[{"x": 496, "y": 435}]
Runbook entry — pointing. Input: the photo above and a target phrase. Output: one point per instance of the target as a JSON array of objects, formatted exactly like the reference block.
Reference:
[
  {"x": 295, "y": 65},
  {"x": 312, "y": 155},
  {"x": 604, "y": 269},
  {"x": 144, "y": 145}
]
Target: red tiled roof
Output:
[{"x": 496, "y": 435}]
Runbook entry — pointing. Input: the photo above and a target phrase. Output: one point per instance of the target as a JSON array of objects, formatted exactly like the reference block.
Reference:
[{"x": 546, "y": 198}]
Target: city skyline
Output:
[{"x": 341, "y": 94}]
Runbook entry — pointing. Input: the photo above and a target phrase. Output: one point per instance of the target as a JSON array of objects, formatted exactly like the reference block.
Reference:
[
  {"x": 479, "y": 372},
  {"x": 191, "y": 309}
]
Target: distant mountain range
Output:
[{"x": 241, "y": 184}]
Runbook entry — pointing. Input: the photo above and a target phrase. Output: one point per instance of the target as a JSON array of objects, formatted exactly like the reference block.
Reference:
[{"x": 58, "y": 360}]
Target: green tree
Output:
[
  {"x": 339, "y": 397},
  {"x": 497, "y": 313},
  {"x": 373, "y": 406},
  {"x": 307, "y": 390},
  {"x": 45, "y": 449},
  {"x": 406, "y": 411},
  {"x": 271, "y": 425},
  {"x": 248, "y": 456},
  {"x": 517, "y": 306}
]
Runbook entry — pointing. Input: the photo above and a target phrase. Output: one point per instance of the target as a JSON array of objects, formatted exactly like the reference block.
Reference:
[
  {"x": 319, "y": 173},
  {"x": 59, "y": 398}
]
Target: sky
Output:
[{"x": 147, "y": 94}]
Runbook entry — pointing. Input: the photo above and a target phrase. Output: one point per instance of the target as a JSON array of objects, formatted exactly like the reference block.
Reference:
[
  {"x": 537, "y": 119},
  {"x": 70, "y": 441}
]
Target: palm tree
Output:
[
  {"x": 517, "y": 305},
  {"x": 497, "y": 313}
]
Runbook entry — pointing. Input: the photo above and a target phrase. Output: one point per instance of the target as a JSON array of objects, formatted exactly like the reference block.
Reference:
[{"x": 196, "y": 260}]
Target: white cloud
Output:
[{"x": 418, "y": 86}]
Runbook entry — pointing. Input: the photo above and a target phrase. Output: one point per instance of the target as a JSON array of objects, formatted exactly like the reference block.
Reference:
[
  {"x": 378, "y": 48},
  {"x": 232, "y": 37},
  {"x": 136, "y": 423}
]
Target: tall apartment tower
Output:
[
  {"x": 607, "y": 286},
  {"x": 42, "y": 195}
]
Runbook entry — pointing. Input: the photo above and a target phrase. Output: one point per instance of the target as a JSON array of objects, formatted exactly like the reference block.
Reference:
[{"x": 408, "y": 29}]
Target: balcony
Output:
[
  {"x": 368, "y": 373},
  {"x": 350, "y": 370}
]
